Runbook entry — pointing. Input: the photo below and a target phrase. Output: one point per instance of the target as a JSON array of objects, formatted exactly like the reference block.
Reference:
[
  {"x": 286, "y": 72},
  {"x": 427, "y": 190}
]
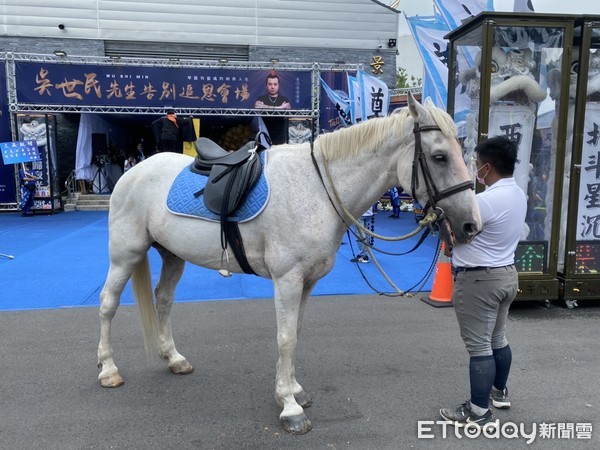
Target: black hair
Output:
[{"x": 500, "y": 153}]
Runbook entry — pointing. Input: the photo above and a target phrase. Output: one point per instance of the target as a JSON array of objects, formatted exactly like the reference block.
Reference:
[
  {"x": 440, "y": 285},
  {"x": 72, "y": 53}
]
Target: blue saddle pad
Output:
[{"x": 181, "y": 200}]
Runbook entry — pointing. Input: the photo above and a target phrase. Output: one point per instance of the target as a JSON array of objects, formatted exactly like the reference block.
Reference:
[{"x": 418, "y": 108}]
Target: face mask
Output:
[{"x": 481, "y": 180}]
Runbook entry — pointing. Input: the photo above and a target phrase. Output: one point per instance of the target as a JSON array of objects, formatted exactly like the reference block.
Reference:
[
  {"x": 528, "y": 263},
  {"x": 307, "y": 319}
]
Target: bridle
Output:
[{"x": 419, "y": 161}]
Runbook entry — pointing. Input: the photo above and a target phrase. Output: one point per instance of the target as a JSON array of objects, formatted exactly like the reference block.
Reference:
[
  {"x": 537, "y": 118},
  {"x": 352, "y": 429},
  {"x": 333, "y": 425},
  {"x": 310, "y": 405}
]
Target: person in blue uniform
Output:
[{"x": 28, "y": 186}]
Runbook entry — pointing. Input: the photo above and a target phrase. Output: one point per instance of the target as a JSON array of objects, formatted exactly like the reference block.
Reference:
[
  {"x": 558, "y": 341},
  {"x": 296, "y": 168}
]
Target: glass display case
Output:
[
  {"x": 580, "y": 268},
  {"x": 504, "y": 79},
  {"x": 42, "y": 128}
]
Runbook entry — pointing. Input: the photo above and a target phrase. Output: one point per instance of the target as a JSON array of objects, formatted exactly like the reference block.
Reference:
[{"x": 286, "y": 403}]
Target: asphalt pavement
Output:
[{"x": 378, "y": 370}]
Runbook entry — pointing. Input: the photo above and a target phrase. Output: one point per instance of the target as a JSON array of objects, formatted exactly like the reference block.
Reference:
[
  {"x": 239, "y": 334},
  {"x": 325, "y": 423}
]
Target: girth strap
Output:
[{"x": 232, "y": 233}]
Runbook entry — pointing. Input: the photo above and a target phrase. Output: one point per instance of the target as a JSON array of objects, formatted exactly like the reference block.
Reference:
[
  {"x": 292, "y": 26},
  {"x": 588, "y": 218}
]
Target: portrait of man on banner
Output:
[{"x": 272, "y": 99}]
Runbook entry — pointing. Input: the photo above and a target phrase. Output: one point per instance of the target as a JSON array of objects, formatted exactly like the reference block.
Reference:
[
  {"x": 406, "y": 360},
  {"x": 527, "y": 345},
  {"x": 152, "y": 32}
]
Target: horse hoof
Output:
[
  {"x": 111, "y": 381},
  {"x": 303, "y": 399},
  {"x": 181, "y": 367},
  {"x": 296, "y": 424}
]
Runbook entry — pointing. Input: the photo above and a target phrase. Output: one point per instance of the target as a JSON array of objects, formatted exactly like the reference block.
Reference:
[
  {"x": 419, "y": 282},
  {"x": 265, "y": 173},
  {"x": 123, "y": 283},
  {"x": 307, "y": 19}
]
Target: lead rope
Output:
[
  {"x": 362, "y": 231},
  {"x": 429, "y": 219},
  {"x": 398, "y": 292}
]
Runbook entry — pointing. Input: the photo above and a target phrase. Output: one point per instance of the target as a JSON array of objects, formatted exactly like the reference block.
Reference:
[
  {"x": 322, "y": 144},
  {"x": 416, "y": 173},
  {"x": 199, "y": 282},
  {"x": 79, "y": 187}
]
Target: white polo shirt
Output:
[{"x": 503, "y": 207}]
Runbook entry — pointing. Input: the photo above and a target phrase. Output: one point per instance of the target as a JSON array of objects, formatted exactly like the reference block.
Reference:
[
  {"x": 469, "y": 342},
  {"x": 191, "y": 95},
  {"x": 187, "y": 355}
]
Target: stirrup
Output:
[{"x": 224, "y": 272}]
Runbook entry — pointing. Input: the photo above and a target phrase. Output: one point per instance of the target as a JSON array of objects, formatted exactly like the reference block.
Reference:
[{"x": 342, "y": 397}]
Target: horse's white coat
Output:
[{"x": 293, "y": 242}]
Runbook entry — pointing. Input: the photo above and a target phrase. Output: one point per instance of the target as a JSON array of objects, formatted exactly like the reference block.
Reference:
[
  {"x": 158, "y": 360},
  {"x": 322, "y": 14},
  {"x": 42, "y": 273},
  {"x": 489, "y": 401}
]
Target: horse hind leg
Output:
[
  {"x": 171, "y": 272},
  {"x": 109, "y": 302}
]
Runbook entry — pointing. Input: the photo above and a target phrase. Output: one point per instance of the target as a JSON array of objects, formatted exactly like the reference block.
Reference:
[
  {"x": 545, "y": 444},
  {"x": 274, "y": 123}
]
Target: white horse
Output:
[{"x": 295, "y": 238}]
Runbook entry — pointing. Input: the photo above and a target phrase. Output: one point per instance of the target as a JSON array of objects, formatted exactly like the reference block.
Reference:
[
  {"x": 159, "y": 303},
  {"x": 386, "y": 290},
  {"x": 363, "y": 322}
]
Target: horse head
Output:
[{"x": 440, "y": 179}]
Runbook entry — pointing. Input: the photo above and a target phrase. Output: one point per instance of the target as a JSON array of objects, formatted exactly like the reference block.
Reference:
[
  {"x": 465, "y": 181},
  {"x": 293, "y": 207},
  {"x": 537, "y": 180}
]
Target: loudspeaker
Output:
[{"x": 99, "y": 144}]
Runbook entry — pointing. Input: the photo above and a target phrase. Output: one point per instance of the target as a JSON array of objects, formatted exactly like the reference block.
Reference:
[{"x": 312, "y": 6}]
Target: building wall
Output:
[
  {"x": 353, "y": 31},
  {"x": 331, "y": 55},
  {"x": 46, "y": 46},
  {"x": 305, "y": 23},
  {"x": 323, "y": 31}
]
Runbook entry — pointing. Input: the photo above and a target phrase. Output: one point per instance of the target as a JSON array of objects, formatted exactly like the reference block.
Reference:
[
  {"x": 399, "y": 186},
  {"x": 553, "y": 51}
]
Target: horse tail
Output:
[{"x": 142, "y": 291}]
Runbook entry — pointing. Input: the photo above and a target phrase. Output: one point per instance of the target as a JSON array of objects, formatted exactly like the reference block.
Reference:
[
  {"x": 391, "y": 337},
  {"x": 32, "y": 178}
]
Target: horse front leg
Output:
[
  {"x": 302, "y": 397},
  {"x": 171, "y": 273},
  {"x": 288, "y": 300}
]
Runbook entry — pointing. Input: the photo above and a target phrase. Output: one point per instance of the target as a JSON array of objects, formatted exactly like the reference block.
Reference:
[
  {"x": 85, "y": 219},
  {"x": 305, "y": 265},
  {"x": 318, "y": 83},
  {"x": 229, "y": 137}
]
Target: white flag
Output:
[
  {"x": 428, "y": 33},
  {"x": 375, "y": 98},
  {"x": 454, "y": 12},
  {"x": 523, "y": 6}
]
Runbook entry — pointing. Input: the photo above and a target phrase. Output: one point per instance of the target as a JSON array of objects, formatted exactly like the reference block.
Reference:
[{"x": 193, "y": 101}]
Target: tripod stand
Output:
[{"x": 97, "y": 181}]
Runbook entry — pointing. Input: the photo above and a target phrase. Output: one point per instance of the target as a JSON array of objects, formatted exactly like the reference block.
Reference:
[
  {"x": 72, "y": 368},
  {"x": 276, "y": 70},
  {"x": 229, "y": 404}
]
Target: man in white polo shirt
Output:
[{"x": 486, "y": 282}]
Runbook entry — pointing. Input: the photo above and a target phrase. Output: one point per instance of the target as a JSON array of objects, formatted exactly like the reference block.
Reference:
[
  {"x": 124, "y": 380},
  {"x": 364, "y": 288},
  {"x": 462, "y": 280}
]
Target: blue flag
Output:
[{"x": 342, "y": 103}]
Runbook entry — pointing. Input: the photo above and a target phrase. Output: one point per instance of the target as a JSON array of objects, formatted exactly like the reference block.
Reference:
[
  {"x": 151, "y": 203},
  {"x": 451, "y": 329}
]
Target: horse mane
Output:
[{"x": 372, "y": 133}]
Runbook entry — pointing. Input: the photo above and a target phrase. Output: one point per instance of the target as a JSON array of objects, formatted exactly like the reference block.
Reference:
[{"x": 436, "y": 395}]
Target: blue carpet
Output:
[{"x": 61, "y": 260}]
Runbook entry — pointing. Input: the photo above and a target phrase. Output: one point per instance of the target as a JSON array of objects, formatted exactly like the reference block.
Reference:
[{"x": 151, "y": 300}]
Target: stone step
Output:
[
  {"x": 93, "y": 197},
  {"x": 92, "y": 202},
  {"x": 92, "y": 207}
]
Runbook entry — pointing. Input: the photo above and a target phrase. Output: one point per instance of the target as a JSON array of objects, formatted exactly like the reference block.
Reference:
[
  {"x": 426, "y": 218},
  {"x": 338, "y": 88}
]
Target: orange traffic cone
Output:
[{"x": 441, "y": 290}]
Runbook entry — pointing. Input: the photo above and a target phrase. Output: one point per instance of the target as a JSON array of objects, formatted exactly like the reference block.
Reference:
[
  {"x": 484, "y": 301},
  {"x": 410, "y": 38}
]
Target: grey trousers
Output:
[{"x": 481, "y": 300}]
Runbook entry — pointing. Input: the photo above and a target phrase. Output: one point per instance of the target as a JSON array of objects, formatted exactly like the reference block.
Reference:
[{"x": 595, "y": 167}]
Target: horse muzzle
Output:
[{"x": 462, "y": 234}]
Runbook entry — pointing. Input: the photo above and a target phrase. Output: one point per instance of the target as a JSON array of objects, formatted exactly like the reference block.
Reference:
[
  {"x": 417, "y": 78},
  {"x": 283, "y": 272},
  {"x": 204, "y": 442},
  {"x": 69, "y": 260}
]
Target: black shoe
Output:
[
  {"x": 463, "y": 416},
  {"x": 499, "y": 398},
  {"x": 361, "y": 259}
]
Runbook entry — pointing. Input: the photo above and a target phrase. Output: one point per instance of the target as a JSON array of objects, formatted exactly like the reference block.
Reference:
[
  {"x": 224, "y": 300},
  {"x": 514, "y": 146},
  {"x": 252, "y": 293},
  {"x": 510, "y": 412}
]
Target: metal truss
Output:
[
  {"x": 9, "y": 207},
  {"x": 314, "y": 68},
  {"x": 175, "y": 63},
  {"x": 404, "y": 91},
  {"x": 392, "y": 5},
  {"x": 22, "y": 108}
]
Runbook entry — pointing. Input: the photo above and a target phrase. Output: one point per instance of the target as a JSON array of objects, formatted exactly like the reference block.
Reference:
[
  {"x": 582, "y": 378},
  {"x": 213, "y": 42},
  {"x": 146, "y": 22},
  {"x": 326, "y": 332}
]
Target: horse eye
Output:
[{"x": 439, "y": 157}]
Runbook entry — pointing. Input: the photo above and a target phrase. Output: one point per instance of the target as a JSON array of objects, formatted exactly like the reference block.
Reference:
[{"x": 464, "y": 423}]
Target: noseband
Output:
[{"x": 434, "y": 195}]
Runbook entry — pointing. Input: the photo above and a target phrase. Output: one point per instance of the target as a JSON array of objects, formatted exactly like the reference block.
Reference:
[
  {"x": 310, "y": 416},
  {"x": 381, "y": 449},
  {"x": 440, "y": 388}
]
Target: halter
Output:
[{"x": 434, "y": 195}]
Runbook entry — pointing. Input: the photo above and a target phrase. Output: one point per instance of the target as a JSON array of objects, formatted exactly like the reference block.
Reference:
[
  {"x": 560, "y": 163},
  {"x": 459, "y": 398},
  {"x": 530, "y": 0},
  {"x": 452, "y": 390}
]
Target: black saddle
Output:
[
  {"x": 230, "y": 178},
  {"x": 230, "y": 175},
  {"x": 209, "y": 153}
]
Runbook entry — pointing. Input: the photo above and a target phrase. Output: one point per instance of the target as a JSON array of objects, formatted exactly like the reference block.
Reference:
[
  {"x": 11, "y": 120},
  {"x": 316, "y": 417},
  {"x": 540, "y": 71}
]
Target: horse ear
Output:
[{"x": 415, "y": 108}]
